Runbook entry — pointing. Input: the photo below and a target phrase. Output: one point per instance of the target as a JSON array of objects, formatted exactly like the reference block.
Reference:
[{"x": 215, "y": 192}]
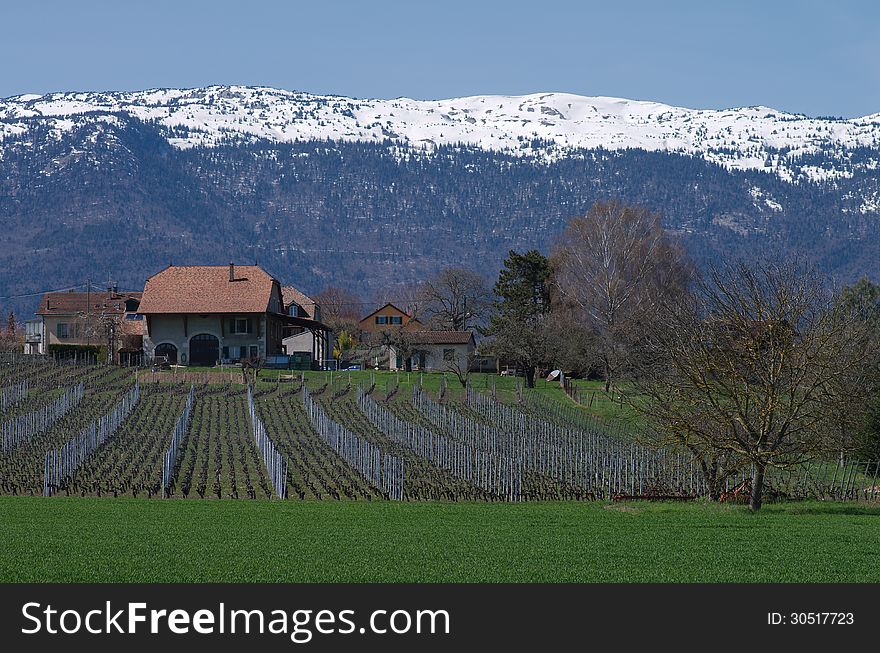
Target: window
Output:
[
  {"x": 241, "y": 325},
  {"x": 381, "y": 319},
  {"x": 226, "y": 352},
  {"x": 449, "y": 355},
  {"x": 134, "y": 316},
  {"x": 254, "y": 351},
  {"x": 396, "y": 319},
  {"x": 63, "y": 330},
  {"x": 242, "y": 352}
]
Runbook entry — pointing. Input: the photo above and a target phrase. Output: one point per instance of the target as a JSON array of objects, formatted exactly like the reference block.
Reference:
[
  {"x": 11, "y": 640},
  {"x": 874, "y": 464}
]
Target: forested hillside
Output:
[{"x": 111, "y": 198}]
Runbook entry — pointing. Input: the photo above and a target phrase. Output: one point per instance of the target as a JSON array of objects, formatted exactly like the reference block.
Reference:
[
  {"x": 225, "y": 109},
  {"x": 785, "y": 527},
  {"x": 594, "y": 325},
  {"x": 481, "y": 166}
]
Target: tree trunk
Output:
[
  {"x": 607, "y": 377},
  {"x": 757, "y": 488},
  {"x": 530, "y": 377},
  {"x": 713, "y": 482},
  {"x": 711, "y": 475}
]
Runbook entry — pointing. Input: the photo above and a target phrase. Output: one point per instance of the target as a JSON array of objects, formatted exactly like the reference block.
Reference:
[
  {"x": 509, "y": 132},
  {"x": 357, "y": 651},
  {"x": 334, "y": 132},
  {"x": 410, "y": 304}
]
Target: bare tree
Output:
[
  {"x": 617, "y": 265},
  {"x": 11, "y": 335},
  {"x": 340, "y": 309},
  {"x": 757, "y": 368},
  {"x": 571, "y": 344},
  {"x": 402, "y": 342},
  {"x": 455, "y": 299},
  {"x": 405, "y": 295},
  {"x": 461, "y": 367}
]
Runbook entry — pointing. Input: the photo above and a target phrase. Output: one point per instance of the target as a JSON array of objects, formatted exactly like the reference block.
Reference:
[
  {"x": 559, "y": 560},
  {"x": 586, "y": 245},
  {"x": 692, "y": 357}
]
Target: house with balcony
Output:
[{"x": 314, "y": 340}]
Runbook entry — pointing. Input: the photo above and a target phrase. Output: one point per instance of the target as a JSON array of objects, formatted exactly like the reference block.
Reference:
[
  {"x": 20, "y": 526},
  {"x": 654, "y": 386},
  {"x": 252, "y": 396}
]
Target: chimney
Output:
[{"x": 231, "y": 272}]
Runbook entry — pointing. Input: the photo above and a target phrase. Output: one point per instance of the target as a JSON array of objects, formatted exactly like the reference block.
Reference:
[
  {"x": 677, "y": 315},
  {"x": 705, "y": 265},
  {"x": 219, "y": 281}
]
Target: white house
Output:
[{"x": 437, "y": 351}]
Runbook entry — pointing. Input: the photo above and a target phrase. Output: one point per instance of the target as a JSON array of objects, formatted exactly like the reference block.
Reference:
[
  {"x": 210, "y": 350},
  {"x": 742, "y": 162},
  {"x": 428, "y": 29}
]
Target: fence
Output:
[
  {"x": 384, "y": 472},
  {"x": 11, "y": 395},
  {"x": 63, "y": 463},
  {"x": 169, "y": 460},
  {"x": 226, "y": 376},
  {"x": 590, "y": 456},
  {"x": 275, "y": 463},
  {"x": 839, "y": 479},
  {"x": 479, "y": 467},
  {"x": 23, "y": 428}
]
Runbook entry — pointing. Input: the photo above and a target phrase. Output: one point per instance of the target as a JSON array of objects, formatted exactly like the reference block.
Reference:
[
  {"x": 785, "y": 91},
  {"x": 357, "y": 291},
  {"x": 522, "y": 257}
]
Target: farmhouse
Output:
[
  {"x": 68, "y": 323},
  {"x": 435, "y": 351},
  {"x": 200, "y": 315}
]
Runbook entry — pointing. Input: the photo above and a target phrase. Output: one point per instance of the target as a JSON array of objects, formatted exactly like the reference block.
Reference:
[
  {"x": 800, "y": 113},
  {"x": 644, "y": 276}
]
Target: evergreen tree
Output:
[{"x": 520, "y": 311}]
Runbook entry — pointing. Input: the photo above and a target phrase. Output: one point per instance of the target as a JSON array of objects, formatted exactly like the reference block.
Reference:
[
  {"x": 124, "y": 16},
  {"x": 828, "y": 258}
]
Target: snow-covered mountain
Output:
[
  {"x": 366, "y": 194},
  {"x": 544, "y": 125}
]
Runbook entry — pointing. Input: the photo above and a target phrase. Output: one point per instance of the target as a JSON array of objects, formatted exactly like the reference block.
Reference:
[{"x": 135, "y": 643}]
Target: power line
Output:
[{"x": 43, "y": 292}]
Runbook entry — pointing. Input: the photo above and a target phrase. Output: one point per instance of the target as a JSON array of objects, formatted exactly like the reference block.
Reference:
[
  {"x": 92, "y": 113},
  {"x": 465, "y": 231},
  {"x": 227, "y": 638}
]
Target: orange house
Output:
[{"x": 388, "y": 318}]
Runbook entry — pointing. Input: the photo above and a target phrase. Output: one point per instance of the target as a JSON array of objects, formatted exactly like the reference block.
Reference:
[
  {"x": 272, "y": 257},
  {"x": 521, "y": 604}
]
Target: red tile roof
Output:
[
  {"x": 71, "y": 303},
  {"x": 132, "y": 327},
  {"x": 441, "y": 337},
  {"x": 293, "y": 296},
  {"x": 207, "y": 289}
]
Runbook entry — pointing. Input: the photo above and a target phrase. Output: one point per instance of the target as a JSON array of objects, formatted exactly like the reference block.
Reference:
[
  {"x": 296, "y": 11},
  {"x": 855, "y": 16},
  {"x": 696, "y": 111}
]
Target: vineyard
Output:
[{"x": 80, "y": 430}]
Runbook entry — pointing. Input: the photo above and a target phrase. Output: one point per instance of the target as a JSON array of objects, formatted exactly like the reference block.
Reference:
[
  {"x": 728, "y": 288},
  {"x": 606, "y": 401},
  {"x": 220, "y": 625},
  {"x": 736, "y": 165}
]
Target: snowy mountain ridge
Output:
[{"x": 544, "y": 125}]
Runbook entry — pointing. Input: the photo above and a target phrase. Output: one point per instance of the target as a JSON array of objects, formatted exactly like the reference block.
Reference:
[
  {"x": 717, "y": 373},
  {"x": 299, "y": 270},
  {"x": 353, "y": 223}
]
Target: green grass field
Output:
[{"x": 135, "y": 540}]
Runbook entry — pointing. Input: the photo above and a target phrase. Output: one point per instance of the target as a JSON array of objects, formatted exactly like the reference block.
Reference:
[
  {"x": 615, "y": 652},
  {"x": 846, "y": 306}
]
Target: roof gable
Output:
[
  {"x": 294, "y": 296},
  {"x": 394, "y": 309}
]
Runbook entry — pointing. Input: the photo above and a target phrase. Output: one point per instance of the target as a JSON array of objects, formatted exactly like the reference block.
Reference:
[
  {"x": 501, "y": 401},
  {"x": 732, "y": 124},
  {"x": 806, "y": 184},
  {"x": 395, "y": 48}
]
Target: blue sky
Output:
[{"x": 818, "y": 58}]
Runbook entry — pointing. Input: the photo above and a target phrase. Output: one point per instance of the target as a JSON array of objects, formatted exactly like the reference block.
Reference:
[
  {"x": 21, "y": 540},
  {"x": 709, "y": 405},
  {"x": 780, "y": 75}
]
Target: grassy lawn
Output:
[{"x": 139, "y": 540}]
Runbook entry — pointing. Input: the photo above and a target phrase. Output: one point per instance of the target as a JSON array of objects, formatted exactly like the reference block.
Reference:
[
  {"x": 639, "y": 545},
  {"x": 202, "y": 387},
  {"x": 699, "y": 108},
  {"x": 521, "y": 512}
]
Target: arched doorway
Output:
[
  {"x": 166, "y": 350},
  {"x": 204, "y": 349}
]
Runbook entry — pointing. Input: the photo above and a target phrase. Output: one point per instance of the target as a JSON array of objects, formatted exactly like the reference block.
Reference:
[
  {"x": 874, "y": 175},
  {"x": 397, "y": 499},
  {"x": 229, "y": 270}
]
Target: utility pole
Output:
[{"x": 464, "y": 325}]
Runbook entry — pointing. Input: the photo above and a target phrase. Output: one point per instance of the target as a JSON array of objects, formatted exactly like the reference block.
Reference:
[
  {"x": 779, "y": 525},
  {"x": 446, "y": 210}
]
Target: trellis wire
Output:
[
  {"x": 593, "y": 457},
  {"x": 837, "y": 480},
  {"x": 479, "y": 466},
  {"x": 169, "y": 460},
  {"x": 840, "y": 480},
  {"x": 276, "y": 465},
  {"x": 571, "y": 415},
  {"x": 384, "y": 472},
  {"x": 13, "y": 394},
  {"x": 62, "y": 463},
  {"x": 23, "y": 428}
]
